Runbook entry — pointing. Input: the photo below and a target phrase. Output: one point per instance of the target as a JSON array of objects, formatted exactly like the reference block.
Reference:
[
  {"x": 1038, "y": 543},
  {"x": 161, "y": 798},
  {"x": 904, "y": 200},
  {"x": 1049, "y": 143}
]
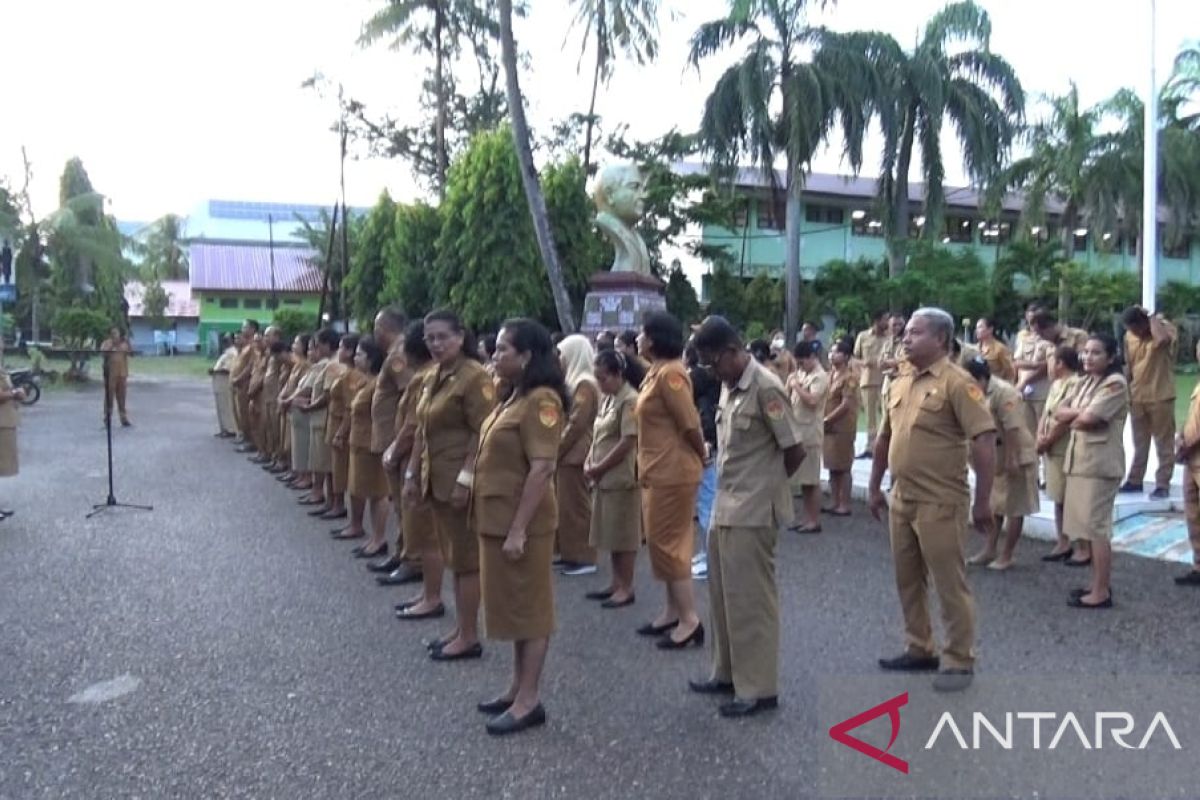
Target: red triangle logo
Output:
[{"x": 841, "y": 732}]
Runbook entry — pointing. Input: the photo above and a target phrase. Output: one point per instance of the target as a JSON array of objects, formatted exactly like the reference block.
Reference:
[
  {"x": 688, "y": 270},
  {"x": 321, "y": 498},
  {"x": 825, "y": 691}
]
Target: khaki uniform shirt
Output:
[
  {"x": 360, "y": 415},
  {"x": 520, "y": 431},
  {"x": 118, "y": 358},
  {"x": 665, "y": 412},
  {"x": 999, "y": 360},
  {"x": 1191, "y": 429},
  {"x": 10, "y": 414},
  {"x": 296, "y": 372},
  {"x": 1008, "y": 412},
  {"x": 810, "y": 420},
  {"x": 242, "y": 366},
  {"x": 843, "y": 388},
  {"x": 226, "y": 360},
  {"x": 893, "y": 350},
  {"x": 341, "y": 393},
  {"x": 755, "y": 424},
  {"x": 577, "y": 433},
  {"x": 271, "y": 380},
  {"x": 1099, "y": 453},
  {"x": 932, "y": 416},
  {"x": 258, "y": 372},
  {"x": 455, "y": 400},
  {"x": 394, "y": 376},
  {"x": 1151, "y": 367},
  {"x": 1031, "y": 347},
  {"x": 406, "y": 411},
  {"x": 1061, "y": 392},
  {"x": 616, "y": 421},
  {"x": 868, "y": 347}
]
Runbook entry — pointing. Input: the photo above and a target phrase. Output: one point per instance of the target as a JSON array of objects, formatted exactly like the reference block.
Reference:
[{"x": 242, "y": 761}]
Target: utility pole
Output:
[{"x": 1150, "y": 182}]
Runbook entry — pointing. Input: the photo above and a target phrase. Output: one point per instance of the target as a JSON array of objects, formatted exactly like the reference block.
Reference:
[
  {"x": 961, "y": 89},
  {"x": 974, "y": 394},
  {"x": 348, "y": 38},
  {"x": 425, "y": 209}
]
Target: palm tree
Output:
[
  {"x": 1181, "y": 93},
  {"x": 628, "y": 25},
  {"x": 529, "y": 176},
  {"x": 775, "y": 104},
  {"x": 162, "y": 249},
  {"x": 951, "y": 74}
]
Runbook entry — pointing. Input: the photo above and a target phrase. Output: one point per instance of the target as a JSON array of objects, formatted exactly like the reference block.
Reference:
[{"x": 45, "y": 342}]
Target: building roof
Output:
[
  {"x": 180, "y": 303},
  {"x": 247, "y": 268},
  {"x": 247, "y": 221}
]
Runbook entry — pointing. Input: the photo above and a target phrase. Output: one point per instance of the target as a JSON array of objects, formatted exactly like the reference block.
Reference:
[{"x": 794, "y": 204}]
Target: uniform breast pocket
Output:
[{"x": 742, "y": 422}]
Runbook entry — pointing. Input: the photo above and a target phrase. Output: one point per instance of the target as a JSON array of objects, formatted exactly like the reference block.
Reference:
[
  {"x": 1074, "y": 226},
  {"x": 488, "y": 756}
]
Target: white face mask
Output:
[{"x": 777, "y": 343}]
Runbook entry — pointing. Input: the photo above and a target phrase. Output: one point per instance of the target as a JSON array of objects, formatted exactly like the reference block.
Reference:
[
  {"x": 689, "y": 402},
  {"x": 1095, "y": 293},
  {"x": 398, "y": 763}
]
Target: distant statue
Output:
[{"x": 619, "y": 196}]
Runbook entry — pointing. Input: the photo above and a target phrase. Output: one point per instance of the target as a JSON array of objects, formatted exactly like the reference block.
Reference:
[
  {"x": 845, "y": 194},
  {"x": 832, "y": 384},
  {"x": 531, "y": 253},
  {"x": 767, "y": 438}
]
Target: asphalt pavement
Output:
[{"x": 222, "y": 645}]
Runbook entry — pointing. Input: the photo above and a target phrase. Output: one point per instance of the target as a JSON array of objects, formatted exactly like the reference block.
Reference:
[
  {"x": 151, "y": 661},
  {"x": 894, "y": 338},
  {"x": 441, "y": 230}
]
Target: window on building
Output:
[
  {"x": 767, "y": 219},
  {"x": 272, "y": 304},
  {"x": 866, "y": 225},
  {"x": 212, "y": 299},
  {"x": 741, "y": 215},
  {"x": 959, "y": 230},
  {"x": 229, "y": 302},
  {"x": 254, "y": 303},
  {"x": 1080, "y": 239},
  {"x": 824, "y": 215},
  {"x": 1177, "y": 249},
  {"x": 1111, "y": 242},
  {"x": 994, "y": 233},
  {"x": 291, "y": 302}
]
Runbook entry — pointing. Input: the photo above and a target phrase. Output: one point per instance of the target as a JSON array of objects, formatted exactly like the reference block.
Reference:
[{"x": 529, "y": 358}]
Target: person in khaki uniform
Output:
[
  {"x": 1151, "y": 343},
  {"x": 868, "y": 353},
  {"x": 611, "y": 469},
  {"x": 1187, "y": 445},
  {"x": 10, "y": 417},
  {"x": 345, "y": 385},
  {"x": 574, "y": 495},
  {"x": 268, "y": 397},
  {"x": 840, "y": 428},
  {"x": 760, "y": 446},
  {"x": 296, "y": 365},
  {"x": 1014, "y": 488},
  {"x": 808, "y": 390},
  {"x": 998, "y": 356},
  {"x": 1095, "y": 462},
  {"x": 352, "y": 436},
  {"x": 277, "y": 370},
  {"x": 456, "y": 398},
  {"x": 892, "y": 355},
  {"x": 1052, "y": 442},
  {"x": 393, "y": 380},
  {"x": 367, "y": 483},
  {"x": 304, "y": 353},
  {"x": 239, "y": 379},
  {"x": 116, "y": 349},
  {"x": 1030, "y": 354},
  {"x": 320, "y": 457},
  {"x": 258, "y": 372},
  {"x": 515, "y": 512},
  {"x": 222, "y": 397},
  {"x": 936, "y": 416}
]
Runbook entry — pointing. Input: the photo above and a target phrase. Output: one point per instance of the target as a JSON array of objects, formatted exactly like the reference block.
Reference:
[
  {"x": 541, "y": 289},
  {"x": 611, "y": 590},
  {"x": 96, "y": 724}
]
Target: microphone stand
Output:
[{"x": 111, "y": 502}]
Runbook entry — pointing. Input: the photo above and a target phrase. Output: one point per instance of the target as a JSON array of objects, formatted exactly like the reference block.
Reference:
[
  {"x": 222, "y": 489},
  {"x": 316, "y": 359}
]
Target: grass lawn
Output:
[{"x": 189, "y": 366}]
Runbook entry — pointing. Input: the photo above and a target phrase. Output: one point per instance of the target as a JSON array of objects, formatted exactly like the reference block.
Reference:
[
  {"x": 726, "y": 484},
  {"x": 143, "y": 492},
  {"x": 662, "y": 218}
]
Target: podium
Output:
[{"x": 620, "y": 300}]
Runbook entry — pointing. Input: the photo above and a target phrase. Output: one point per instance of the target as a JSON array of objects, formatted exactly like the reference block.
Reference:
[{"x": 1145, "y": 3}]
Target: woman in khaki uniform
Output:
[
  {"x": 456, "y": 398},
  {"x": 345, "y": 385},
  {"x": 320, "y": 463},
  {"x": 515, "y": 512},
  {"x": 808, "y": 389},
  {"x": 298, "y": 450},
  {"x": 9, "y": 419},
  {"x": 1095, "y": 462},
  {"x": 1014, "y": 486},
  {"x": 1052, "y": 440},
  {"x": 998, "y": 356},
  {"x": 611, "y": 469},
  {"x": 841, "y": 426},
  {"x": 574, "y": 494},
  {"x": 671, "y": 455},
  {"x": 368, "y": 483}
]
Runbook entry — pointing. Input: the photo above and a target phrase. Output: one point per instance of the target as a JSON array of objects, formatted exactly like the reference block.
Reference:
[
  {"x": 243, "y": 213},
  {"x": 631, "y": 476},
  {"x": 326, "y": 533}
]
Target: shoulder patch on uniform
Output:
[
  {"x": 548, "y": 414},
  {"x": 488, "y": 390},
  {"x": 1113, "y": 388},
  {"x": 775, "y": 408},
  {"x": 974, "y": 392},
  {"x": 1010, "y": 405},
  {"x": 675, "y": 382}
]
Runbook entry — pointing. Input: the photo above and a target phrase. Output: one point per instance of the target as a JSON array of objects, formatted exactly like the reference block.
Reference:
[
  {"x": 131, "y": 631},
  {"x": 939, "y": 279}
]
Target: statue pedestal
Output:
[{"x": 619, "y": 300}]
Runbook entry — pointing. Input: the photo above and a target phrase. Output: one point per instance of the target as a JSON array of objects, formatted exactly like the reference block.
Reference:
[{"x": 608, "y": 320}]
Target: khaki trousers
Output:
[
  {"x": 1157, "y": 421},
  {"x": 574, "y": 515},
  {"x": 1033, "y": 415},
  {"x": 744, "y": 604},
  {"x": 1191, "y": 509},
  {"x": 870, "y": 400},
  {"x": 270, "y": 428},
  {"x": 224, "y": 401},
  {"x": 245, "y": 420},
  {"x": 928, "y": 540},
  {"x": 115, "y": 390},
  {"x": 408, "y": 544}
]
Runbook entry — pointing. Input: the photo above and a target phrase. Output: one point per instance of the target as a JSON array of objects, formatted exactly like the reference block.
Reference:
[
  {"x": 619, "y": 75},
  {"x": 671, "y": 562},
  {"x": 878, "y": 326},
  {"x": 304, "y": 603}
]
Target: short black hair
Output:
[
  {"x": 469, "y": 348},
  {"x": 879, "y": 314},
  {"x": 807, "y": 350},
  {"x": 761, "y": 350},
  {"x": 1110, "y": 348},
  {"x": 488, "y": 341},
  {"x": 374, "y": 353},
  {"x": 394, "y": 318},
  {"x": 665, "y": 333},
  {"x": 628, "y": 337},
  {"x": 1135, "y": 316},
  {"x": 715, "y": 333},
  {"x": 328, "y": 337},
  {"x": 544, "y": 367},
  {"x": 1044, "y": 318},
  {"x": 611, "y": 361},
  {"x": 845, "y": 346},
  {"x": 304, "y": 338},
  {"x": 253, "y": 323},
  {"x": 978, "y": 368},
  {"x": 414, "y": 343},
  {"x": 279, "y": 347},
  {"x": 1069, "y": 356},
  {"x": 350, "y": 342}
]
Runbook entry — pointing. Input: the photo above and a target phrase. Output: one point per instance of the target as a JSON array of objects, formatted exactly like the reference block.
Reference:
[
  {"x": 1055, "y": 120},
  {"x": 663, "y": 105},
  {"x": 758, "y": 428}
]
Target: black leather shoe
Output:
[
  {"x": 1161, "y": 493},
  {"x": 474, "y": 651},
  {"x": 405, "y": 573},
  {"x": 362, "y": 553},
  {"x": 610, "y": 603},
  {"x": 650, "y": 629},
  {"x": 497, "y": 706},
  {"x": 696, "y": 637},
  {"x": 747, "y": 708},
  {"x": 1051, "y": 557},
  {"x": 1190, "y": 579},
  {"x": 910, "y": 663},
  {"x": 387, "y": 565},
  {"x": 437, "y": 612},
  {"x": 711, "y": 686},
  {"x": 602, "y": 594},
  {"x": 1130, "y": 488},
  {"x": 506, "y": 723}
]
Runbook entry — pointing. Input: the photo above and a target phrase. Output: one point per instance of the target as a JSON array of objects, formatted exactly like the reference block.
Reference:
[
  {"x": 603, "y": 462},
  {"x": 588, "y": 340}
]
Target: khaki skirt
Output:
[
  {"x": 340, "y": 458},
  {"x": 574, "y": 515},
  {"x": 299, "y": 430},
  {"x": 667, "y": 520},
  {"x": 1088, "y": 507},
  {"x": 837, "y": 451},
  {"x": 419, "y": 533},
  {"x": 1056, "y": 479},
  {"x": 366, "y": 474},
  {"x": 809, "y": 472},
  {"x": 8, "y": 452},
  {"x": 616, "y": 525},
  {"x": 518, "y": 596},
  {"x": 319, "y": 457},
  {"x": 1016, "y": 495},
  {"x": 460, "y": 547}
]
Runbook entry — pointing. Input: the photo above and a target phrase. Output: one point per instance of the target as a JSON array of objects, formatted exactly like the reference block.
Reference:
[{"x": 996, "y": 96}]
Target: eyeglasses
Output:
[{"x": 435, "y": 338}]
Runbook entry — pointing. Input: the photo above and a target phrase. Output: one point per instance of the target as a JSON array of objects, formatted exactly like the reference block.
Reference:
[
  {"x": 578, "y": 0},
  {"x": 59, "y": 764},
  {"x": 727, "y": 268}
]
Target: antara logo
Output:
[
  {"x": 841, "y": 732},
  {"x": 1120, "y": 725}
]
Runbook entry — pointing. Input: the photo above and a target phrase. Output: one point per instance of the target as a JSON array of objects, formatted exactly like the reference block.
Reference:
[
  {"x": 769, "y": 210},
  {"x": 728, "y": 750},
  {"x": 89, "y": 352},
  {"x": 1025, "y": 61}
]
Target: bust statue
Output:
[{"x": 619, "y": 204}]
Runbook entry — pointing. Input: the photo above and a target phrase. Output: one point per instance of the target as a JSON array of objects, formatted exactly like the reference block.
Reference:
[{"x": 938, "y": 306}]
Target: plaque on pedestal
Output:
[{"x": 620, "y": 300}]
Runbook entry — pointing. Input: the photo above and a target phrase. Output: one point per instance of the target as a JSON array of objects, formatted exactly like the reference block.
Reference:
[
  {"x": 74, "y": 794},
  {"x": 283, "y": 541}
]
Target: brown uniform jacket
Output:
[
  {"x": 10, "y": 415},
  {"x": 1031, "y": 347},
  {"x": 360, "y": 415},
  {"x": 665, "y": 412},
  {"x": 240, "y": 374},
  {"x": 1008, "y": 412},
  {"x": 1151, "y": 367},
  {"x": 525, "y": 429},
  {"x": 258, "y": 373},
  {"x": 394, "y": 376},
  {"x": 455, "y": 400},
  {"x": 868, "y": 347},
  {"x": 577, "y": 433},
  {"x": 999, "y": 360},
  {"x": 843, "y": 387},
  {"x": 755, "y": 425},
  {"x": 1191, "y": 430},
  {"x": 271, "y": 383},
  {"x": 341, "y": 394},
  {"x": 615, "y": 421},
  {"x": 1099, "y": 453},
  {"x": 118, "y": 358},
  {"x": 931, "y": 417},
  {"x": 811, "y": 420},
  {"x": 1061, "y": 392}
]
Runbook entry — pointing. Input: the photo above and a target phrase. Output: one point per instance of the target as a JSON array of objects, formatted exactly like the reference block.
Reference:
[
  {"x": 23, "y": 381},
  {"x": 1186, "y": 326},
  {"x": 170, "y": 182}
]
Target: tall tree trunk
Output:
[
  {"x": 791, "y": 229},
  {"x": 898, "y": 235},
  {"x": 591, "y": 118},
  {"x": 529, "y": 177},
  {"x": 1069, "y": 222},
  {"x": 439, "y": 80}
]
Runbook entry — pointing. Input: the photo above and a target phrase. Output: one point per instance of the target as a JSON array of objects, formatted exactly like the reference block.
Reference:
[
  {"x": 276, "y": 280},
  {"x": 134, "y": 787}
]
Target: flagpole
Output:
[
  {"x": 271, "y": 256},
  {"x": 1150, "y": 182}
]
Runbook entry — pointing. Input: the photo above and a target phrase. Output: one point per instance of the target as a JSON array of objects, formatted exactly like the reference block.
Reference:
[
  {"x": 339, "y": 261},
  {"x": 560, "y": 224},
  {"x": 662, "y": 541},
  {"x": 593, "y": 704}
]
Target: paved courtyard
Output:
[{"x": 223, "y": 645}]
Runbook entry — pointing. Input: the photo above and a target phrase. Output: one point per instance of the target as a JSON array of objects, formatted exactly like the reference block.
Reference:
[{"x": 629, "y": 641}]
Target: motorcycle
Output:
[{"x": 30, "y": 382}]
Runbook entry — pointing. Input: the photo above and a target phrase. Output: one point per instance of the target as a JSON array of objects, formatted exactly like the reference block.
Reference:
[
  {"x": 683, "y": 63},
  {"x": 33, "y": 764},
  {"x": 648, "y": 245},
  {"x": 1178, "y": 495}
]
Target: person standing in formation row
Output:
[
  {"x": 222, "y": 394},
  {"x": 577, "y": 555},
  {"x": 1150, "y": 349},
  {"x": 808, "y": 390},
  {"x": 868, "y": 353},
  {"x": 1187, "y": 445}
]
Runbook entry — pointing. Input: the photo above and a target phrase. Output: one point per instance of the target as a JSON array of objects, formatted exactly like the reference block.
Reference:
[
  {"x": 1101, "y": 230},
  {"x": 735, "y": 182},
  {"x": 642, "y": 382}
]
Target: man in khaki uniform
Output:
[
  {"x": 1188, "y": 446},
  {"x": 868, "y": 352},
  {"x": 1151, "y": 344},
  {"x": 892, "y": 353},
  {"x": 226, "y": 421},
  {"x": 936, "y": 415},
  {"x": 258, "y": 372},
  {"x": 116, "y": 351},
  {"x": 1030, "y": 355},
  {"x": 759, "y": 448},
  {"x": 269, "y": 397},
  {"x": 239, "y": 379}
]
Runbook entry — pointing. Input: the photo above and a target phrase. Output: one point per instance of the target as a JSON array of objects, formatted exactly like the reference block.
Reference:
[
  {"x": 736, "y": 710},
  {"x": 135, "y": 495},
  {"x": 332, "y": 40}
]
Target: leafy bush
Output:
[
  {"x": 292, "y": 322},
  {"x": 681, "y": 297},
  {"x": 80, "y": 328}
]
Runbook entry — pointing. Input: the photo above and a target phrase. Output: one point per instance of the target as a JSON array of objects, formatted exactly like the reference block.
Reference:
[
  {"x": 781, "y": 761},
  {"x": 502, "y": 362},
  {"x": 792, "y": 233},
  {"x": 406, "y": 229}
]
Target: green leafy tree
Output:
[
  {"x": 851, "y": 291},
  {"x": 726, "y": 296},
  {"x": 155, "y": 301},
  {"x": 956, "y": 281},
  {"x": 163, "y": 250},
  {"x": 762, "y": 302},
  {"x": 681, "y": 297},
  {"x": 580, "y": 246},
  {"x": 368, "y": 260},
  {"x": 951, "y": 75},
  {"x": 316, "y": 234},
  {"x": 1097, "y": 296},
  {"x": 80, "y": 330},
  {"x": 411, "y": 257},
  {"x": 293, "y": 322}
]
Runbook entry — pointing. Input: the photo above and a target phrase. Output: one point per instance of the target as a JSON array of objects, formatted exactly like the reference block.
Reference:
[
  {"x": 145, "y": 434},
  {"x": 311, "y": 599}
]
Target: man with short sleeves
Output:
[
  {"x": 1150, "y": 347},
  {"x": 116, "y": 349},
  {"x": 239, "y": 379},
  {"x": 759, "y": 446},
  {"x": 868, "y": 351},
  {"x": 936, "y": 415}
]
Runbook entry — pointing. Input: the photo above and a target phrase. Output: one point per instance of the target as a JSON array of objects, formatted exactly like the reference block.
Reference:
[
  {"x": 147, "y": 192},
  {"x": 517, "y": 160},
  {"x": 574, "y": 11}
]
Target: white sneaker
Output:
[
  {"x": 700, "y": 571},
  {"x": 580, "y": 569},
  {"x": 699, "y": 558}
]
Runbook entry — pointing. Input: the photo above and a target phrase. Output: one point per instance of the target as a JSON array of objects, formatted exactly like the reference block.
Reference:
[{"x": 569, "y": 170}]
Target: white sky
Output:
[{"x": 169, "y": 103}]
